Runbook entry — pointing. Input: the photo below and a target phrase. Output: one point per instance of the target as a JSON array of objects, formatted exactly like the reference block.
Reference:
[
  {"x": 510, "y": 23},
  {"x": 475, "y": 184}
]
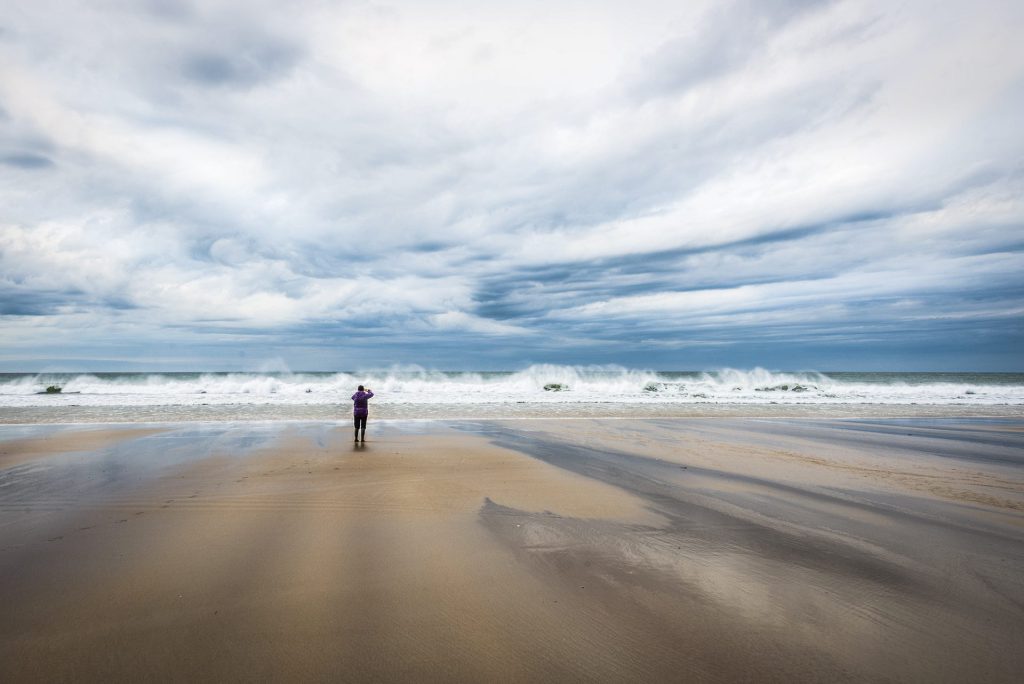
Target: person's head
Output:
[{"x": 361, "y": 388}]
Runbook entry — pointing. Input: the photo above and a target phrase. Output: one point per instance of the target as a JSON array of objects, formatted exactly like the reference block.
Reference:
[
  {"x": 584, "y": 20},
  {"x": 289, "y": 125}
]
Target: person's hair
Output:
[{"x": 360, "y": 388}]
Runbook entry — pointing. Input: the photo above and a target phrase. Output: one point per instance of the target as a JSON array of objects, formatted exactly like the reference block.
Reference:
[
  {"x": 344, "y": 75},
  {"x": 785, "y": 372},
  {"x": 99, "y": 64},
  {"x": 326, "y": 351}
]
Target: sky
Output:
[{"x": 463, "y": 185}]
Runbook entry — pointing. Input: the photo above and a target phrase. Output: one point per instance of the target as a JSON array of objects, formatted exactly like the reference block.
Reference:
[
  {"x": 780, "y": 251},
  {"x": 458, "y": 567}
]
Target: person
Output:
[{"x": 361, "y": 411}]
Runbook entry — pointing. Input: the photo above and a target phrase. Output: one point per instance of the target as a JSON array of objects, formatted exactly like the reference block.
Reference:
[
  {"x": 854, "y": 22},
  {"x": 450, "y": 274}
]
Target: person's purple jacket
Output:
[{"x": 362, "y": 409}]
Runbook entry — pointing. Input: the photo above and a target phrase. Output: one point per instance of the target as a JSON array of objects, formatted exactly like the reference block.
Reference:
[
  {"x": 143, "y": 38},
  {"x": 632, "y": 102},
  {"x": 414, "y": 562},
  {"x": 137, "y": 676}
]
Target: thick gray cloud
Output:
[
  {"x": 26, "y": 161},
  {"x": 454, "y": 184}
]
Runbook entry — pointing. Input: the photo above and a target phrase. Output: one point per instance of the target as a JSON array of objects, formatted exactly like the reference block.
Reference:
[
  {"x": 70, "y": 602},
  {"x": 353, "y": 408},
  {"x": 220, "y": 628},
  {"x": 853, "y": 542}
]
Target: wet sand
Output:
[
  {"x": 501, "y": 410},
  {"x": 712, "y": 549}
]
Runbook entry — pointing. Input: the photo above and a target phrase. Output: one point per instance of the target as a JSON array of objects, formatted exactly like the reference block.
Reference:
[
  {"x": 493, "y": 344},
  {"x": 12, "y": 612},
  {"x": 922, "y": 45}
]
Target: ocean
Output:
[{"x": 538, "y": 391}]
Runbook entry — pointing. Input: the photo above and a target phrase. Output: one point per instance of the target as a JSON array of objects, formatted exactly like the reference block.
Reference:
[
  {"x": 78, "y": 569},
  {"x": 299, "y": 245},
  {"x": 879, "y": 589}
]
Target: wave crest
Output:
[{"x": 549, "y": 383}]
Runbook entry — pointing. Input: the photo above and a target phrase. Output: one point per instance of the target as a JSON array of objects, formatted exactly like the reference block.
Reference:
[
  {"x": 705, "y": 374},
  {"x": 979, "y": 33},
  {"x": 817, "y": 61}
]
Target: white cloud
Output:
[{"x": 486, "y": 170}]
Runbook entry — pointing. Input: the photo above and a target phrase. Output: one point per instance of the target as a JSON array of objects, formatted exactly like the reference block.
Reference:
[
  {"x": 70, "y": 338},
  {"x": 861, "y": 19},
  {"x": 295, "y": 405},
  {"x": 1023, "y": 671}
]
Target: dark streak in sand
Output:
[{"x": 936, "y": 586}]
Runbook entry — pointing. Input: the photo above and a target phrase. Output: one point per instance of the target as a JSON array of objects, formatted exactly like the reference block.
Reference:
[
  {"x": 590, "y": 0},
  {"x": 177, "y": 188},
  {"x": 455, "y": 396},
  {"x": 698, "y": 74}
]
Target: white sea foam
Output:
[{"x": 548, "y": 384}]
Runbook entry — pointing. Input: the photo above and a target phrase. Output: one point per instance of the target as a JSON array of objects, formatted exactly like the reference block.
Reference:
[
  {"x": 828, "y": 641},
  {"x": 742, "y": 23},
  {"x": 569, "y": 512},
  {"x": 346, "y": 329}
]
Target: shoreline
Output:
[{"x": 77, "y": 414}]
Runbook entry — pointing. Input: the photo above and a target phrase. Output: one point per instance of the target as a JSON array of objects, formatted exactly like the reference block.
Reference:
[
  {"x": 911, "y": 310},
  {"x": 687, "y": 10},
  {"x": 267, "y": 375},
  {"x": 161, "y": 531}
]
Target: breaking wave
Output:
[{"x": 537, "y": 384}]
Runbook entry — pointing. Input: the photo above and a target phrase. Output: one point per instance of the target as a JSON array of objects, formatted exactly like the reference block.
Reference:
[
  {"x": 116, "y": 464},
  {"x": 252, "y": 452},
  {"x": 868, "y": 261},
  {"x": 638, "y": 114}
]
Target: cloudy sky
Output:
[{"x": 676, "y": 185}]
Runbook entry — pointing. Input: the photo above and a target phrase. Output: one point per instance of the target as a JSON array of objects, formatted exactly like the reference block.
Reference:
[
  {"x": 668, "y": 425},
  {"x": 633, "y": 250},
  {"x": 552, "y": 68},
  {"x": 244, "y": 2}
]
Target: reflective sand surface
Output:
[{"x": 710, "y": 549}]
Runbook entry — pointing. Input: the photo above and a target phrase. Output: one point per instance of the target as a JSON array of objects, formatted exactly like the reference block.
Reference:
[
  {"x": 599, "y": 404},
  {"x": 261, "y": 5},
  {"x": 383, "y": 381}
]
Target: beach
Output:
[
  {"x": 689, "y": 335},
  {"x": 542, "y": 549}
]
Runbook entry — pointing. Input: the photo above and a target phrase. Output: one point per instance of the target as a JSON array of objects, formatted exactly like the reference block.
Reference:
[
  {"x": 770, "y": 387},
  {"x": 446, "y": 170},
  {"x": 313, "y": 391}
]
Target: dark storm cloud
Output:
[
  {"x": 26, "y": 161},
  {"x": 243, "y": 65},
  {"x": 35, "y": 304},
  {"x": 534, "y": 290}
]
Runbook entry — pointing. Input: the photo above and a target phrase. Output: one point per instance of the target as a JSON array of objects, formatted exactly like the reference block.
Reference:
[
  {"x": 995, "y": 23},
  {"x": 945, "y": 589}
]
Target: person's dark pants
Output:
[{"x": 360, "y": 423}]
